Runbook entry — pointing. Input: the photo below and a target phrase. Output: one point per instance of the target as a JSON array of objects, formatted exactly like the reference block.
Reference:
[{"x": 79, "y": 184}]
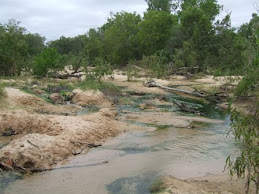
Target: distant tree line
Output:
[{"x": 182, "y": 33}]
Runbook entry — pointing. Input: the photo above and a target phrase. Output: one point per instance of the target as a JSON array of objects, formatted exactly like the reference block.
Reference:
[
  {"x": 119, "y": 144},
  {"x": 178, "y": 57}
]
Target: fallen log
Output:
[
  {"x": 216, "y": 98},
  {"x": 154, "y": 84},
  {"x": 66, "y": 76},
  {"x": 184, "y": 108},
  {"x": 68, "y": 167},
  {"x": 6, "y": 166}
]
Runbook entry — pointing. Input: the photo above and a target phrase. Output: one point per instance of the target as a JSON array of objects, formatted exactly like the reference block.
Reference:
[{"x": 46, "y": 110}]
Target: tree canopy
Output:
[{"x": 185, "y": 33}]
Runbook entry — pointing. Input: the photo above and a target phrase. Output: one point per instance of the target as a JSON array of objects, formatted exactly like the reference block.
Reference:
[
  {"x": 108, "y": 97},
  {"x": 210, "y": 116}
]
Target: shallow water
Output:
[{"x": 130, "y": 162}]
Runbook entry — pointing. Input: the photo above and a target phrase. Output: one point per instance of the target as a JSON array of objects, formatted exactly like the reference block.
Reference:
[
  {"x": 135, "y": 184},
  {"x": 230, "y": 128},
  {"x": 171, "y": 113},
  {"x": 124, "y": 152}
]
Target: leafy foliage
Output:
[
  {"x": 120, "y": 42},
  {"x": 250, "y": 82},
  {"x": 154, "y": 31},
  {"x": 155, "y": 66},
  {"x": 184, "y": 34},
  {"x": 102, "y": 68},
  {"x": 17, "y": 48},
  {"x": 160, "y": 5},
  {"x": 2, "y": 91},
  {"x": 47, "y": 60},
  {"x": 245, "y": 129}
]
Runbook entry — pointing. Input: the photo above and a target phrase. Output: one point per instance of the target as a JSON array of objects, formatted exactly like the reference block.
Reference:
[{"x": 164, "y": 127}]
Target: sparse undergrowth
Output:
[
  {"x": 245, "y": 129},
  {"x": 2, "y": 91},
  {"x": 157, "y": 186},
  {"x": 107, "y": 88}
]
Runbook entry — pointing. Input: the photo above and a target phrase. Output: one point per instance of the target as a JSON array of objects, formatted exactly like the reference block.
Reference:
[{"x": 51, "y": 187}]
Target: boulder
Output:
[{"x": 56, "y": 98}]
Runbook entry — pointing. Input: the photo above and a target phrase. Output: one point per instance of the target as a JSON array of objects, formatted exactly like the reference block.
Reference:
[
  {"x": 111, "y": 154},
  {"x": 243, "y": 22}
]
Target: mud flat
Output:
[
  {"x": 160, "y": 140},
  {"x": 40, "y": 141}
]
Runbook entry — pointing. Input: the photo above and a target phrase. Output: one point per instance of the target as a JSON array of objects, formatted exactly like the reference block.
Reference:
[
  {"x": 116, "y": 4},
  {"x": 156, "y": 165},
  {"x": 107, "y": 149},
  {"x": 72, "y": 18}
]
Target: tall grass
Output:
[
  {"x": 2, "y": 91},
  {"x": 108, "y": 89}
]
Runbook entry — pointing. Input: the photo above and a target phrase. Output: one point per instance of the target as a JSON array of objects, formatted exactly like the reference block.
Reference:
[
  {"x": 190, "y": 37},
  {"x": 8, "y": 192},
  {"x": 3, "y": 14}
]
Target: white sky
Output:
[{"x": 54, "y": 18}]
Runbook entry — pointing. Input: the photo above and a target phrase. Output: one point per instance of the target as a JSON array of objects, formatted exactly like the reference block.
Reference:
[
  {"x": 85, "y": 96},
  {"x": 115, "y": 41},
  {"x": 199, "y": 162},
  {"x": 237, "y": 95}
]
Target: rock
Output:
[
  {"x": 34, "y": 86},
  {"x": 6, "y": 166},
  {"x": 125, "y": 94},
  {"x": 108, "y": 113},
  {"x": 68, "y": 96},
  {"x": 56, "y": 98},
  {"x": 135, "y": 93},
  {"x": 90, "y": 97},
  {"x": 38, "y": 91},
  {"x": 10, "y": 162},
  {"x": 146, "y": 105},
  {"x": 9, "y": 132},
  {"x": 161, "y": 97}
]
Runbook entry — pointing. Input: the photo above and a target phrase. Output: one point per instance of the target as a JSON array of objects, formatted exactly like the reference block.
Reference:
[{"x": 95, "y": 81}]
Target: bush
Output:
[
  {"x": 155, "y": 66},
  {"x": 46, "y": 60},
  {"x": 108, "y": 89},
  {"x": 131, "y": 72},
  {"x": 2, "y": 92},
  {"x": 157, "y": 186},
  {"x": 59, "y": 88},
  {"x": 102, "y": 68},
  {"x": 245, "y": 129},
  {"x": 250, "y": 82}
]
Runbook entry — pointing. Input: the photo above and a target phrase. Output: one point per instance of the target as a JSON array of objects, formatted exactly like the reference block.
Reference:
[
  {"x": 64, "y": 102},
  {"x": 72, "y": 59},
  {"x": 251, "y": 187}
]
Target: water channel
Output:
[{"x": 130, "y": 162}]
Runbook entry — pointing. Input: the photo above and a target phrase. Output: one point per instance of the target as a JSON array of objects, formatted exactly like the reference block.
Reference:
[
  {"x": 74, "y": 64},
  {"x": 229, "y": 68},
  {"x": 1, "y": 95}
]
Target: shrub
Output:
[
  {"x": 131, "y": 72},
  {"x": 154, "y": 65},
  {"x": 108, "y": 89},
  {"x": 157, "y": 186},
  {"x": 46, "y": 60},
  {"x": 102, "y": 68},
  {"x": 2, "y": 91},
  {"x": 59, "y": 88},
  {"x": 245, "y": 129}
]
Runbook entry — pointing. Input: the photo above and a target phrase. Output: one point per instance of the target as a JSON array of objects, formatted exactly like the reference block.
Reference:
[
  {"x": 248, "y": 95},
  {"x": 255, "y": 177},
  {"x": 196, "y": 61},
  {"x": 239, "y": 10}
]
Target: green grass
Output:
[
  {"x": 27, "y": 90},
  {"x": 107, "y": 88},
  {"x": 61, "y": 88},
  {"x": 157, "y": 186},
  {"x": 162, "y": 127},
  {"x": 2, "y": 91}
]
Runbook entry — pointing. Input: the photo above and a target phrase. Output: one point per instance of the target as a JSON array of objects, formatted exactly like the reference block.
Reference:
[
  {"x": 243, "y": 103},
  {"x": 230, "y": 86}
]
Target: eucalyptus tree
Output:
[{"x": 120, "y": 38}]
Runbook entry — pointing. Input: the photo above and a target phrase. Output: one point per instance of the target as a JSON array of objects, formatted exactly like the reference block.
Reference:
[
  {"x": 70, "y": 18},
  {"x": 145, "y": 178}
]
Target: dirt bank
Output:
[
  {"x": 90, "y": 97},
  {"x": 42, "y": 136},
  {"x": 36, "y": 151},
  {"x": 200, "y": 185},
  {"x": 17, "y": 99}
]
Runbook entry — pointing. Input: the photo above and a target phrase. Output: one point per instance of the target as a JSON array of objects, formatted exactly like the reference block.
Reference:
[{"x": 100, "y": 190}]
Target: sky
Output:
[{"x": 55, "y": 18}]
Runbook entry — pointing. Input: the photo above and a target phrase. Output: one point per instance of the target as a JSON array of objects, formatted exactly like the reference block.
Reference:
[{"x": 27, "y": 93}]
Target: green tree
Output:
[
  {"x": 35, "y": 45},
  {"x": 160, "y": 5},
  {"x": 246, "y": 130},
  {"x": 196, "y": 26},
  {"x": 17, "y": 48},
  {"x": 13, "y": 48},
  {"x": 72, "y": 49},
  {"x": 102, "y": 68},
  {"x": 155, "y": 31},
  {"x": 120, "y": 41},
  {"x": 47, "y": 60},
  {"x": 94, "y": 45}
]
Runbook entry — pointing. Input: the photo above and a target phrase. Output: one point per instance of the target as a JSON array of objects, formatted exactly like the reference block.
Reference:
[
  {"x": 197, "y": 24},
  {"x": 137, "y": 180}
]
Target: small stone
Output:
[
  {"x": 22, "y": 145},
  {"x": 10, "y": 162},
  {"x": 56, "y": 98},
  {"x": 7, "y": 153}
]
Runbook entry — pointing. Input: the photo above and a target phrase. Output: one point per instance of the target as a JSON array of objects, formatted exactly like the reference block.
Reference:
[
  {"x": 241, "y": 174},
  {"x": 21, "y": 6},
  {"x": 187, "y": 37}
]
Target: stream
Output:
[{"x": 130, "y": 162}]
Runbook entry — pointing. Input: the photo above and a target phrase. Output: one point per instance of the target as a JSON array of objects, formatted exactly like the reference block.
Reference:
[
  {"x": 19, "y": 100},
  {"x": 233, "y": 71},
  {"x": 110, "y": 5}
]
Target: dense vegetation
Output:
[{"x": 178, "y": 33}]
